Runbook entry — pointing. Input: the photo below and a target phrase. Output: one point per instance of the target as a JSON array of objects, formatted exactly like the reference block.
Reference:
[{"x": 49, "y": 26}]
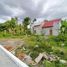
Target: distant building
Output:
[
  {"x": 46, "y": 27},
  {"x": 35, "y": 26}
]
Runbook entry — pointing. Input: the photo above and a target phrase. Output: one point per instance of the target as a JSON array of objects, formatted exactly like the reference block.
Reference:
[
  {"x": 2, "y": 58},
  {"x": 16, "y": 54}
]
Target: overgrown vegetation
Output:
[
  {"x": 35, "y": 44},
  {"x": 53, "y": 45},
  {"x": 12, "y": 27}
]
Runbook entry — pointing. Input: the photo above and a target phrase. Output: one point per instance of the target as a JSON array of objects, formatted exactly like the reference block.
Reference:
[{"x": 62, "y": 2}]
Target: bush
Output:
[
  {"x": 48, "y": 64},
  {"x": 34, "y": 54}
]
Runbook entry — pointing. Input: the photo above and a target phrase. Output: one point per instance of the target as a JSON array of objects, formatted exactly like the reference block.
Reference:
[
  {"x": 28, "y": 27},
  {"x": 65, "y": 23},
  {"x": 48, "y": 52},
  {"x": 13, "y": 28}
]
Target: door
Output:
[{"x": 50, "y": 31}]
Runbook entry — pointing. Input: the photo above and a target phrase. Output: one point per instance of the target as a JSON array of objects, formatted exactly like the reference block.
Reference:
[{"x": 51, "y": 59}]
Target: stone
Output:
[
  {"x": 45, "y": 56},
  {"x": 28, "y": 59},
  {"x": 38, "y": 59}
]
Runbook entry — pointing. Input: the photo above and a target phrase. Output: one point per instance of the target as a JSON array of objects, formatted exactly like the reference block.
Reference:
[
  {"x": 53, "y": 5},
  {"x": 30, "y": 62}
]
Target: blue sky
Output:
[{"x": 47, "y": 9}]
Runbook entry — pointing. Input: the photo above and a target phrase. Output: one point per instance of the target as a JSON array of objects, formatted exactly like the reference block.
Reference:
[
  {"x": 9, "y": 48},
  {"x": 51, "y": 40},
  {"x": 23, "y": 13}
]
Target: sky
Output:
[{"x": 47, "y": 9}]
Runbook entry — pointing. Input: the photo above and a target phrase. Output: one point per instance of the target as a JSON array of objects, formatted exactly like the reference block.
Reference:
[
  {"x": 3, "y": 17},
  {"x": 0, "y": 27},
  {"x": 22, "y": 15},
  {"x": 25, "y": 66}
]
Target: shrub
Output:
[
  {"x": 48, "y": 64},
  {"x": 34, "y": 54}
]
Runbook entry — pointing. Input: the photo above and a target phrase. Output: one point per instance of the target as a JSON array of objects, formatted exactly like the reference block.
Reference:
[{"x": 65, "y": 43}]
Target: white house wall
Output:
[
  {"x": 56, "y": 29},
  {"x": 46, "y": 31},
  {"x": 55, "y": 32},
  {"x": 38, "y": 30}
]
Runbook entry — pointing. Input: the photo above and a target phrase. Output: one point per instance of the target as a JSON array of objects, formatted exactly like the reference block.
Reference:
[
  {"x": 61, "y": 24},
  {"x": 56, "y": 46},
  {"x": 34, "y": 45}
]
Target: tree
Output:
[
  {"x": 10, "y": 25},
  {"x": 26, "y": 22},
  {"x": 2, "y": 27},
  {"x": 34, "y": 20},
  {"x": 64, "y": 26}
]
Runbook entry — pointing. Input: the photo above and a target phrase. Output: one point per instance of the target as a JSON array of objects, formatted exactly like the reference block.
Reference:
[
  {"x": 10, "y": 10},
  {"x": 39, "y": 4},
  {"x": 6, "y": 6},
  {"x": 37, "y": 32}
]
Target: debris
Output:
[
  {"x": 9, "y": 47},
  {"x": 21, "y": 56},
  {"x": 28, "y": 59},
  {"x": 45, "y": 55},
  {"x": 38, "y": 59},
  {"x": 49, "y": 57}
]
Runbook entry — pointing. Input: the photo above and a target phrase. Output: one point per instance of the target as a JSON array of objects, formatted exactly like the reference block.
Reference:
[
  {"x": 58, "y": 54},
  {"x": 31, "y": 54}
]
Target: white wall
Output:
[
  {"x": 46, "y": 31},
  {"x": 38, "y": 30},
  {"x": 56, "y": 29}
]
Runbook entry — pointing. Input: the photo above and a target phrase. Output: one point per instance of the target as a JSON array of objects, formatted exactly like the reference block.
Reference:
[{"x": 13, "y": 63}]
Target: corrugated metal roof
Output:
[{"x": 47, "y": 24}]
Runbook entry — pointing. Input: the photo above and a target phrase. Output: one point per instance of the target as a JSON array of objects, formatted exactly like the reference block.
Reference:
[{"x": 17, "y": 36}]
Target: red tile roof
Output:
[{"x": 47, "y": 24}]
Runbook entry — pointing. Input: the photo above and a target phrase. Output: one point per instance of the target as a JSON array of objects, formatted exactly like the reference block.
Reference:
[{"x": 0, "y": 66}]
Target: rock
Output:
[
  {"x": 45, "y": 56},
  {"x": 38, "y": 59},
  {"x": 28, "y": 60},
  {"x": 52, "y": 58},
  {"x": 49, "y": 57}
]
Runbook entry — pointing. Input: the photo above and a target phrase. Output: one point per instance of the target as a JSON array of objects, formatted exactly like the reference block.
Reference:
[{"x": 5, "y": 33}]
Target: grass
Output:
[{"x": 43, "y": 45}]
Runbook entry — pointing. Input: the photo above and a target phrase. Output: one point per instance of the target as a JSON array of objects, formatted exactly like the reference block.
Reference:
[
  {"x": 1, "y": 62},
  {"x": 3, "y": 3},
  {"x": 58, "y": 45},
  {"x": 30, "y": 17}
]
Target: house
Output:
[{"x": 51, "y": 27}]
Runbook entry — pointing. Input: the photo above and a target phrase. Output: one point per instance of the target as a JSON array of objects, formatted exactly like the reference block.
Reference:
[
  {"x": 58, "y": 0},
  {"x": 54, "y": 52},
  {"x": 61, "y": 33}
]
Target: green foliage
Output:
[
  {"x": 48, "y": 63},
  {"x": 35, "y": 44},
  {"x": 53, "y": 64},
  {"x": 64, "y": 26},
  {"x": 26, "y": 22},
  {"x": 12, "y": 27},
  {"x": 34, "y": 54}
]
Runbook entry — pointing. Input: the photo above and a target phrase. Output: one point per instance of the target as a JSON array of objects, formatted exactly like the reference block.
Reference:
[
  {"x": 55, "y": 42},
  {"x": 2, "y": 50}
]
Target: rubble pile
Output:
[
  {"x": 28, "y": 59},
  {"x": 46, "y": 56}
]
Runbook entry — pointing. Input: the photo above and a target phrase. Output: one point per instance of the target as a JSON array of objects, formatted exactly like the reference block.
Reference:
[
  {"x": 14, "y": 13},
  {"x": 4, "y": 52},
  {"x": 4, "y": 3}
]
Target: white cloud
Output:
[
  {"x": 3, "y": 18},
  {"x": 36, "y": 2},
  {"x": 15, "y": 10},
  {"x": 2, "y": 21},
  {"x": 33, "y": 8},
  {"x": 49, "y": 4}
]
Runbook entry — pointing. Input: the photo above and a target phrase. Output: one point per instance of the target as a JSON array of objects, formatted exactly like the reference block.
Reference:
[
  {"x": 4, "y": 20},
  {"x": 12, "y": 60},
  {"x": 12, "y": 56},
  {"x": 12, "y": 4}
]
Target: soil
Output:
[{"x": 10, "y": 44}]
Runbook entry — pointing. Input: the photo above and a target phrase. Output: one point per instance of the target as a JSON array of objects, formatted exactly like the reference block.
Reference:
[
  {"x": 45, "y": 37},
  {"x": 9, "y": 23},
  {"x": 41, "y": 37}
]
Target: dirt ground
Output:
[{"x": 10, "y": 44}]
